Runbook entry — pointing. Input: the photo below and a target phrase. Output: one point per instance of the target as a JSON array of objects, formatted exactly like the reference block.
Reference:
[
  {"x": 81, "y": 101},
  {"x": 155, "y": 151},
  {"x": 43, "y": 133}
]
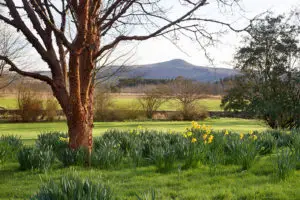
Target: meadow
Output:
[{"x": 212, "y": 104}]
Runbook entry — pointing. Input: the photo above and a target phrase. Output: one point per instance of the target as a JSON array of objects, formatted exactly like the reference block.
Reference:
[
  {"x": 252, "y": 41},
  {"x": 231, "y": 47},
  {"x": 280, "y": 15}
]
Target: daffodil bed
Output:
[{"x": 197, "y": 163}]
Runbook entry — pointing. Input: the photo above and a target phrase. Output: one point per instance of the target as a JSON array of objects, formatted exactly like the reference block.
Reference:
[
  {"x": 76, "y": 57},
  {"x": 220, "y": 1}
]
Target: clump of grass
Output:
[
  {"x": 285, "y": 163},
  {"x": 9, "y": 147},
  {"x": 71, "y": 187},
  {"x": 33, "y": 158}
]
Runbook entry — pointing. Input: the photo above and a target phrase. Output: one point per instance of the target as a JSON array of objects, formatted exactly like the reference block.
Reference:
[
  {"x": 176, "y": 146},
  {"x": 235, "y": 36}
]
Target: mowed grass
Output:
[
  {"x": 29, "y": 131},
  {"x": 228, "y": 182},
  {"x": 212, "y": 104}
]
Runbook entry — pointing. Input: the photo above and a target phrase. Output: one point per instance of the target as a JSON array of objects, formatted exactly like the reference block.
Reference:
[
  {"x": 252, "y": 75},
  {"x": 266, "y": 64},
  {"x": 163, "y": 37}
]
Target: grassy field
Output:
[
  {"x": 212, "y": 104},
  {"x": 229, "y": 182},
  {"x": 29, "y": 131},
  {"x": 172, "y": 105},
  {"x": 8, "y": 102}
]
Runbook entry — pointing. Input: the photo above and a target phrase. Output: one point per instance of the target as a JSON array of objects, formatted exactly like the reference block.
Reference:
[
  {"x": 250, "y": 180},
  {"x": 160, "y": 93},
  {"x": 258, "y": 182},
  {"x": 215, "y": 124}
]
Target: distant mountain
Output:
[
  {"x": 174, "y": 68},
  {"x": 168, "y": 70}
]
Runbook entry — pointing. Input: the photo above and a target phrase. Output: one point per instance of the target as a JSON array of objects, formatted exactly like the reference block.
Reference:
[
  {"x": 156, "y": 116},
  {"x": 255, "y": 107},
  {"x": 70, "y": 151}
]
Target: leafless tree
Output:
[
  {"x": 186, "y": 92},
  {"x": 12, "y": 46},
  {"x": 153, "y": 99},
  {"x": 97, "y": 27}
]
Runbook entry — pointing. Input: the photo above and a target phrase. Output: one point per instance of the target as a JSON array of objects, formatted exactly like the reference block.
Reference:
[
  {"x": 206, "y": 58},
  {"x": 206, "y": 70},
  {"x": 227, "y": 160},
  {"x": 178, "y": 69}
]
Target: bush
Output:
[
  {"x": 103, "y": 105},
  {"x": 51, "y": 108},
  {"x": 29, "y": 104},
  {"x": 192, "y": 112},
  {"x": 70, "y": 187},
  {"x": 33, "y": 158}
]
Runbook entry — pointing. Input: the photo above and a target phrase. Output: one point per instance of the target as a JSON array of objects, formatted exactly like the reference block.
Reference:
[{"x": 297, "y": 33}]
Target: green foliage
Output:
[
  {"x": 49, "y": 140},
  {"x": 266, "y": 143},
  {"x": 33, "y": 158},
  {"x": 9, "y": 147},
  {"x": 242, "y": 151},
  {"x": 106, "y": 154},
  {"x": 70, "y": 187},
  {"x": 149, "y": 195},
  {"x": 285, "y": 163},
  {"x": 269, "y": 85}
]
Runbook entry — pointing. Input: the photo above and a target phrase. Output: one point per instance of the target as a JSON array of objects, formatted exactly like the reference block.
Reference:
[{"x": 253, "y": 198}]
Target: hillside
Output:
[
  {"x": 174, "y": 68},
  {"x": 169, "y": 70}
]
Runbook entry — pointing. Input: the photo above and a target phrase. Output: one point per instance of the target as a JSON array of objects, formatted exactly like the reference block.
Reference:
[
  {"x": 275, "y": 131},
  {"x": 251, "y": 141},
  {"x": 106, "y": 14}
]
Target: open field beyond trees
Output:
[{"x": 212, "y": 104}]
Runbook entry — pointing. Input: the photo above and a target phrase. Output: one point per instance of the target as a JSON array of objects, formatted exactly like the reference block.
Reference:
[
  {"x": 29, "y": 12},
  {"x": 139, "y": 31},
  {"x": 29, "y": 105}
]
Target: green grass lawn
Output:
[
  {"x": 29, "y": 131},
  {"x": 228, "y": 182}
]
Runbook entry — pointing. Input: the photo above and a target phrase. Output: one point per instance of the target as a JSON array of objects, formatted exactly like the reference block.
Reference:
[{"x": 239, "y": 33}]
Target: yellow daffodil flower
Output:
[
  {"x": 254, "y": 137},
  {"x": 194, "y": 140},
  {"x": 210, "y": 139},
  {"x": 241, "y": 136},
  {"x": 226, "y": 133},
  {"x": 204, "y": 136}
]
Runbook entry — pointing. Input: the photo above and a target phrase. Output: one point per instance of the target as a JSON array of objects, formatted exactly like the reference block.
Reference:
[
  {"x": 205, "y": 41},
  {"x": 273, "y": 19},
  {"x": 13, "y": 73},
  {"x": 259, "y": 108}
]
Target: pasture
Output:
[{"x": 125, "y": 102}]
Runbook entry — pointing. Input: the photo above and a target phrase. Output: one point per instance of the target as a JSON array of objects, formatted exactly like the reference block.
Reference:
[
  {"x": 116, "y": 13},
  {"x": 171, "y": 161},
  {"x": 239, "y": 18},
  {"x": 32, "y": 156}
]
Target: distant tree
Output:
[
  {"x": 269, "y": 61},
  {"x": 186, "y": 92},
  {"x": 152, "y": 100}
]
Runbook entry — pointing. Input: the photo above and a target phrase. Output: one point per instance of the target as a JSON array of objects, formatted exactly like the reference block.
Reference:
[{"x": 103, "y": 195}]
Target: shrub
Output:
[
  {"x": 70, "y": 187},
  {"x": 30, "y": 105},
  {"x": 192, "y": 112},
  {"x": 51, "y": 108},
  {"x": 103, "y": 105},
  {"x": 285, "y": 163},
  {"x": 33, "y": 158}
]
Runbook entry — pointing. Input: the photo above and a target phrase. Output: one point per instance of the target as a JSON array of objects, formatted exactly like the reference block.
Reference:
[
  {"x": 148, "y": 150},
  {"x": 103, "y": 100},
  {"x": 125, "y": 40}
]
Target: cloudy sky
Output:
[{"x": 158, "y": 50}]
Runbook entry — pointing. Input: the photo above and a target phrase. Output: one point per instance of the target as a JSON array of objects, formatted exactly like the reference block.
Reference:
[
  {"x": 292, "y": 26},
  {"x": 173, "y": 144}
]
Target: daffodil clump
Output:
[{"x": 203, "y": 132}]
